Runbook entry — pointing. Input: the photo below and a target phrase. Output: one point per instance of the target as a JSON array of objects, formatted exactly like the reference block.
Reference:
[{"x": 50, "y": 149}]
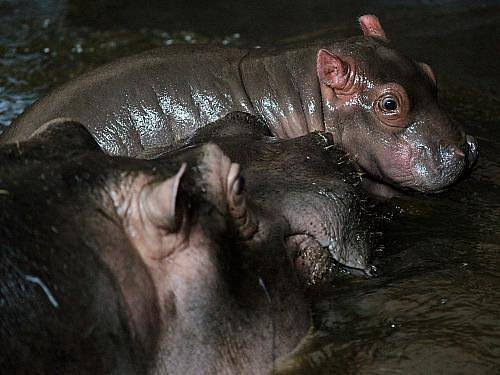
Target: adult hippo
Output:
[
  {"x": 304, "y": 178},
  {"x": 126, "y": 266},
  {"x": 379, "y": 105}
]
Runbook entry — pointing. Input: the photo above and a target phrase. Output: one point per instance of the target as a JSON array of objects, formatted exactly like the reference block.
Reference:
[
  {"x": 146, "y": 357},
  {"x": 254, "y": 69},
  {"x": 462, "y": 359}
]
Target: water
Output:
[{"x": 434, "y": 306}]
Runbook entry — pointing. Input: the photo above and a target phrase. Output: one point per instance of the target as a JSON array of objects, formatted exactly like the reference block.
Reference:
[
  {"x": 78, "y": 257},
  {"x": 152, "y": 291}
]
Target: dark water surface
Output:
[{"x": 434, "y": 307}]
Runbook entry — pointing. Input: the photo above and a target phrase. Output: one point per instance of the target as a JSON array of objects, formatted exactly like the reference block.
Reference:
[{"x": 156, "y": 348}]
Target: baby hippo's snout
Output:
[
  {"x": 464, "y": 155},
  {"x": 435, "y": 167},
  {"x": 467, "y": 150}
]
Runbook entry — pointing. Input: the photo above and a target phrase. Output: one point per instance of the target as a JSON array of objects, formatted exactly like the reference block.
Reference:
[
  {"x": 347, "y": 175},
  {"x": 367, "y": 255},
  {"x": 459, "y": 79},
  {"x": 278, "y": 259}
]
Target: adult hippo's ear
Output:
[
  {"x": 157, "y": 219},
  {"x": 160, "y": 204},
  {"x": 372, "y": 28},
  {"x": 153, "y": 213},
  {"x": 226, "y": 189},
  {"x": 65, "y": 133},
  {"x": 237, "y": 203}
]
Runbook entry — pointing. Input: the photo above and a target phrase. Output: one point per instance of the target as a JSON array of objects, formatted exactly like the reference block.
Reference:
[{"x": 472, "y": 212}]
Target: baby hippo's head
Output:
[{"x": 382, "y": 109}]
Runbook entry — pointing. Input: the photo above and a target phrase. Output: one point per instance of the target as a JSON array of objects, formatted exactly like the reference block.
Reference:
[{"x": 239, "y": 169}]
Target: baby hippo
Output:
[
  {"x": 118, "y": 265},
  {"x": 378, "y": 105}
]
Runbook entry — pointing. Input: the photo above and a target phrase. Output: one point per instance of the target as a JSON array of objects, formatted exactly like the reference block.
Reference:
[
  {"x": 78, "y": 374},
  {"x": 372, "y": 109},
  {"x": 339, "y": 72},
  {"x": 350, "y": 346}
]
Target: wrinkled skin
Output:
[
  {"x": 117, "y": 265},
  {"x": 380, "y": 106},
  {"x": 306, "y": 179}
]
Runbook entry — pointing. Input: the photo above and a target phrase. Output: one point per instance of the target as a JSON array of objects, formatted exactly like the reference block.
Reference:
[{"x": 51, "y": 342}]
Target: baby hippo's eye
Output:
[
  {"x": 392, "y": 106},
  {"x": 389, "y": 104}
]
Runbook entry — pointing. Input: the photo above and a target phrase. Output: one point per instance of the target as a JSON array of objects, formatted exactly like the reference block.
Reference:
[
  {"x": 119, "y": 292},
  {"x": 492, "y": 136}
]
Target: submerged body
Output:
[
  {"x": 119, "y": 265},
  {"x": 379, "y": 106},
  {"x": 313, "y": 184}
]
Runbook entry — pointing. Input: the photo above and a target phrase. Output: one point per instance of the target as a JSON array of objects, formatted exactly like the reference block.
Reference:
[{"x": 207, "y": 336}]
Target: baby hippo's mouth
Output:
[{"x": 318, "y": 262}]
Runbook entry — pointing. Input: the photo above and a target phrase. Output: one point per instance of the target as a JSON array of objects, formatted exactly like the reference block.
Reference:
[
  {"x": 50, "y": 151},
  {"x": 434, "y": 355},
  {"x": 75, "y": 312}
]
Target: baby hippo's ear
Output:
[
  {"x": 332, "y": 70},
  {"x": 429, "y": 72},
  {"x": 160, "y": 204},
  {"x": 371, "y": 27}
]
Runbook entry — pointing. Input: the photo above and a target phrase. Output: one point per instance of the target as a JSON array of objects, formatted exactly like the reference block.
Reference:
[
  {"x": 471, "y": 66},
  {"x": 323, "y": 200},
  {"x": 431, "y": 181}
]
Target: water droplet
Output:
[{"x": 78, "y": 48}]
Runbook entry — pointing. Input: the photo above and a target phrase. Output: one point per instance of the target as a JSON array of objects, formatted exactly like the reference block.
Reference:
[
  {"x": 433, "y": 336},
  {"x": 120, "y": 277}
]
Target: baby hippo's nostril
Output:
[
  {"x": 472, "y": 152},
  {"x": 457, "y": 152}
]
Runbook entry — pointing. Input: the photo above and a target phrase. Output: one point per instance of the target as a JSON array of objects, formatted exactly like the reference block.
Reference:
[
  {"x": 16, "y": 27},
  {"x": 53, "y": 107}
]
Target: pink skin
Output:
[
  {"x": 371, "y": 27},
  {"x": 391, "y": 125}
]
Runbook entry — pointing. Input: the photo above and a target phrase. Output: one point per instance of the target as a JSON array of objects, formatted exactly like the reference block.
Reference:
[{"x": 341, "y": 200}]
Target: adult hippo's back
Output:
[{"x": 379, "y": 105}]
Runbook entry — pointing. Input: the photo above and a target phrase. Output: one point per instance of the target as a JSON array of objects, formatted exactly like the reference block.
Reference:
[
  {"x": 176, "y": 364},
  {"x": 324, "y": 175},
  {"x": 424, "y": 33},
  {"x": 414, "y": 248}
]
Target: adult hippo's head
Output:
[{"x": 384, "y": 107}]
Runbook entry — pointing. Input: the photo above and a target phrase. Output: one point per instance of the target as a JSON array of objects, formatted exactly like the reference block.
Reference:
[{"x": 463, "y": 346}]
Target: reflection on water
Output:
[
  {"x": 434, "y": 308},
  {"x": 39, "y": 50}
]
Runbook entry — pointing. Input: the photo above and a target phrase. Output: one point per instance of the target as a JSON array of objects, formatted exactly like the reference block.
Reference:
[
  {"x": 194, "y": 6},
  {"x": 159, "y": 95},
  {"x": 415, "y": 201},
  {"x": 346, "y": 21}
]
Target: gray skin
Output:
[
  {"x": 118, "y": 265},
  {"x": 380, "y": 106},
  {"x": 306, "y": 179}
]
